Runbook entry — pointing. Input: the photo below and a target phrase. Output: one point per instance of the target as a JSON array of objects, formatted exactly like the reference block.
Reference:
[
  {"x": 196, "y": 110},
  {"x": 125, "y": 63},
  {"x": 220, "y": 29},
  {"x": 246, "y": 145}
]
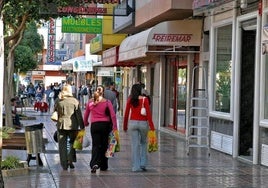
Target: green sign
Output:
[{"x": 81, "y": 25}]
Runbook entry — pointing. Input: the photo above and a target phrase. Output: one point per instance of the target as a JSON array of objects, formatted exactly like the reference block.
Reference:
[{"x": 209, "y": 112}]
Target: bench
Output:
[{"x": 16, "y": 141}]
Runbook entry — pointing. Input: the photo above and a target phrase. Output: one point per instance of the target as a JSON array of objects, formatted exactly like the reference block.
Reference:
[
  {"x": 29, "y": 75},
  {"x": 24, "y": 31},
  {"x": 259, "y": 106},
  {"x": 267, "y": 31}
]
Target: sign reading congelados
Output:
[{"x": 81, "y": 25}]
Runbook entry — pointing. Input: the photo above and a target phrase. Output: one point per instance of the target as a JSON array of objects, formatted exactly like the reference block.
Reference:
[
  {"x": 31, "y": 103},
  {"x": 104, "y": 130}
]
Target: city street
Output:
[{"x": 167, "y": 168}]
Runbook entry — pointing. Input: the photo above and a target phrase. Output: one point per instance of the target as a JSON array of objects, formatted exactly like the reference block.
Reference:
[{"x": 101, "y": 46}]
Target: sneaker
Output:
[
  {"x": 143, "y": 168},
  {"x": 94, "y": 168}
]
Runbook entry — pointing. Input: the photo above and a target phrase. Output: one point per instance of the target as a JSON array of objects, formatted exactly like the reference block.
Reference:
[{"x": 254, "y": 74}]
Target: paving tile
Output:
[{"x": 169, "y": 167}]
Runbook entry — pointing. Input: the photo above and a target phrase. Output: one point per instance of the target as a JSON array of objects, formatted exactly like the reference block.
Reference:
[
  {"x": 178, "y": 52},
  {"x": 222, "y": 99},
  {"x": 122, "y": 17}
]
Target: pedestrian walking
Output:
[
  {"x": 49, "y": 93},
  {"x": 110, "y": 95},
  {"x": 117, "y": 94},
  {"x": 56, "y": 89},
  {"x": 99, "y": 112},
  {"x": 138, "y": 126},
  {"x": 70, "y": 120}
]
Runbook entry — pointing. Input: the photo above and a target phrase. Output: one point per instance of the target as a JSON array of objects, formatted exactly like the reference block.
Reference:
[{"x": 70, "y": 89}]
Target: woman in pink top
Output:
[
  {"x": 99, "y": 112},
  {"x": 138, "y": 125}
]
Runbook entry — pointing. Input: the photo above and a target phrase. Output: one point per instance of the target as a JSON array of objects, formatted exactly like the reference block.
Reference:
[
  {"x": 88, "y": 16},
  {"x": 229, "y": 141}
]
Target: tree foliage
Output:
[
  {"x": 15, "y": 15},
  {"x": 26, "y": 53}
]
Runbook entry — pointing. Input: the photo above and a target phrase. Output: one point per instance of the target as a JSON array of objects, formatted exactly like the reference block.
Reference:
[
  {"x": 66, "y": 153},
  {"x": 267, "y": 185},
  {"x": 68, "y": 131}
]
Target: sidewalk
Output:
[{"x": 169, "y": 167}]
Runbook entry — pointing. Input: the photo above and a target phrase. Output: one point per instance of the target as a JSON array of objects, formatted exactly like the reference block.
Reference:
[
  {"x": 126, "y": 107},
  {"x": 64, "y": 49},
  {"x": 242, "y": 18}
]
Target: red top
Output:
[{"x": 135, "y": 113}]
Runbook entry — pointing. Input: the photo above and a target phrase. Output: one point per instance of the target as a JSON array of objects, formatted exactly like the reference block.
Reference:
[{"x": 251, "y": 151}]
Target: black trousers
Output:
[
  {"x": 66, "y": 151},
  {"x": 100, "y": 133}
]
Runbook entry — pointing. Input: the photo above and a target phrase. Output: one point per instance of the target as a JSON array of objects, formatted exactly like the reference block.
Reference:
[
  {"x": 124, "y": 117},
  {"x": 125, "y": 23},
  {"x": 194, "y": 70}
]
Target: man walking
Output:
[{"x": 110, "y": 95}]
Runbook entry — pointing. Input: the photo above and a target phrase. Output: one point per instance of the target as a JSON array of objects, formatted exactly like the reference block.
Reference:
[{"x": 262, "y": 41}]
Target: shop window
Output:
[{"x": 222, "y": 76}]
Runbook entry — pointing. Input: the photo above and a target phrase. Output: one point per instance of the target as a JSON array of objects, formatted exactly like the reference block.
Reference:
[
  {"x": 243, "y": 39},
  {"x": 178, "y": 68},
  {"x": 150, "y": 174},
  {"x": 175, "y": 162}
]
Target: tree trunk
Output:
[
  {"x": 8, "y": 79},
  {"x": 1, "y": 85}
]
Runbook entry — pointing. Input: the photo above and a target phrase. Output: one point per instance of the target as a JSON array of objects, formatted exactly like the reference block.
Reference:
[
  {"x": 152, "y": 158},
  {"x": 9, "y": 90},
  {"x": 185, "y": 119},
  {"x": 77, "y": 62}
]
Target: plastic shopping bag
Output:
[
  {"x": 78, "y": 142},
  {"x": 111, "y": 146},
  {"x": 152, "y": 141},
  {"x": 86, "y": 138},
  {"x": 116, "y": 135}
]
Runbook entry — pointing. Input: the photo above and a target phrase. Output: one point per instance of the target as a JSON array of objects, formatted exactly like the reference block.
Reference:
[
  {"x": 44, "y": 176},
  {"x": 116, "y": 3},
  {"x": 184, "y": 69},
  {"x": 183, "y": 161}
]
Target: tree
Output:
[
  {"x": 15, "y": 15},
  {"x": 26, "y": 53}
]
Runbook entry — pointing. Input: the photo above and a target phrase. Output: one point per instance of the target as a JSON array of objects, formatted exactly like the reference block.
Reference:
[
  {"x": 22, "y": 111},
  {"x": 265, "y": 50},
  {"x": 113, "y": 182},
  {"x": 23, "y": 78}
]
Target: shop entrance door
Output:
[
  {"x": 247, "y": 93},
  {"x": 177, "y": 93}
]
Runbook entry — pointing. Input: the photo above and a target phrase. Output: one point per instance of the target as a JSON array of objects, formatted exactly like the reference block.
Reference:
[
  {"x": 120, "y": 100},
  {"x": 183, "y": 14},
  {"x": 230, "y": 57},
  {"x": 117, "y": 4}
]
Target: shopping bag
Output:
[
  {"x": 86, "y": 137},
  {"x": 116, "y": 135},
  {"x": 111, "y": 146},
  {"x": 152, "y": 141},
  {"x": 78, "y": 142},
  {"x": 54, "y": 116}
]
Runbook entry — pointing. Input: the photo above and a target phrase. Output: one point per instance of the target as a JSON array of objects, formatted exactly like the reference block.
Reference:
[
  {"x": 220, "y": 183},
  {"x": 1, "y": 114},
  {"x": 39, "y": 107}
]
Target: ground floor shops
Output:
[
  {"x": 163, "y": 59},
  {"x": 234, "y": 52}
]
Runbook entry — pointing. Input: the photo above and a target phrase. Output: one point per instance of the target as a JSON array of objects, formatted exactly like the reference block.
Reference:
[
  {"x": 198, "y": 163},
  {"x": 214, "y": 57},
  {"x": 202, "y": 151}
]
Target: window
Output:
[{"x": 222, "y": 76}]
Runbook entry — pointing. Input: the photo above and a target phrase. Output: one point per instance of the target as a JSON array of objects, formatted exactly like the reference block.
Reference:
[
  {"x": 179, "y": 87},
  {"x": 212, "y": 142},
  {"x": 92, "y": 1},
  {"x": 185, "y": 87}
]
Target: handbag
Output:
[
  {"x": 143, "y": 110},
  {"x": 152, "y": 141},
  {"x": 54, "y": 116},
  {"x": 55, "y": 136}
]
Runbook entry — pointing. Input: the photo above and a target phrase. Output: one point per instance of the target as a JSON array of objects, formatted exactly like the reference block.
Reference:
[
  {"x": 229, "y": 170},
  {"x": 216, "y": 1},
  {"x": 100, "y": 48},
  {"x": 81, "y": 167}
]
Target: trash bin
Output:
[{"x": 34, "y": 138}]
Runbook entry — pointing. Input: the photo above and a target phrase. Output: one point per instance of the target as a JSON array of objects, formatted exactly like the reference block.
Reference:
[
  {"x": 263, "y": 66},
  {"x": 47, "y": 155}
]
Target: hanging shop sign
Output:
[
  {"x": 110, "y": 56},
  {"x": 96, "y": 44},
  {"x": 83, "y": 65},
  {"x": 51, "y": 45},
  {"x": 86, "y": 7},
  {"x": 81, "y": 25}
]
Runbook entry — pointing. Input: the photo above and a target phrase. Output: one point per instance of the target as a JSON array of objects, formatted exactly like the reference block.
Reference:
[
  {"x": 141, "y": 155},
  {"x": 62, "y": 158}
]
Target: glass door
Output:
[{"x": 177, "y": 93}]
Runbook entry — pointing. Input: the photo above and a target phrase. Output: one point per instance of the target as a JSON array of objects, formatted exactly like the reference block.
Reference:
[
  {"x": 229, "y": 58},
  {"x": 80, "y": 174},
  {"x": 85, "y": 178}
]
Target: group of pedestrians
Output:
[{"x": 100, "y": 115}]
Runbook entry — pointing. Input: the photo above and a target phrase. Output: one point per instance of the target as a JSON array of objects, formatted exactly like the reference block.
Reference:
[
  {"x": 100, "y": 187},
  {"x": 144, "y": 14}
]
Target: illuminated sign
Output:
[
  {"x": 81, "y": 25},
  {"x": 86, "y": 7}
]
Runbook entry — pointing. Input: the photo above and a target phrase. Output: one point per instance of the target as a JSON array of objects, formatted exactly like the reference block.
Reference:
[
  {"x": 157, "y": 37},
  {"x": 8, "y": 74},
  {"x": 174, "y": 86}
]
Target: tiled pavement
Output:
[{"x": 169, "y": 167}]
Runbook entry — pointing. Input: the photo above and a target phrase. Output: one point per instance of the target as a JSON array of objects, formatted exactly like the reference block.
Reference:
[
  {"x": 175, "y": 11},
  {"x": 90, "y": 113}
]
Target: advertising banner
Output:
[{"x": 81, "y": 25}]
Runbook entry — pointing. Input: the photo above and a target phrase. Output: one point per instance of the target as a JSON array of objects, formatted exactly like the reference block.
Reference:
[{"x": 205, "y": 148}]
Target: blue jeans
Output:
[{"x": 138, "y": 130}]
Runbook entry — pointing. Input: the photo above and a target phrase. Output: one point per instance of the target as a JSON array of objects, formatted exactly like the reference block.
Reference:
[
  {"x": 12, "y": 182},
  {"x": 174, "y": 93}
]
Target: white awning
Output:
[{"x": 169, "y": 36}]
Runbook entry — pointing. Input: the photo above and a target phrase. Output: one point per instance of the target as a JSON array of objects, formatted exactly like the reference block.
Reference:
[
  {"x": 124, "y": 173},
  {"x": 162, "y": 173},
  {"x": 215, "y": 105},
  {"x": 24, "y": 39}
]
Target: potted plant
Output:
[{"x": 12, "y": 166}]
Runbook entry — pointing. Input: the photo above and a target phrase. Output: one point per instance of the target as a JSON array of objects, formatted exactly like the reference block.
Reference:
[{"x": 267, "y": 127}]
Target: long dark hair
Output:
[{"x": 134, "y": 95}]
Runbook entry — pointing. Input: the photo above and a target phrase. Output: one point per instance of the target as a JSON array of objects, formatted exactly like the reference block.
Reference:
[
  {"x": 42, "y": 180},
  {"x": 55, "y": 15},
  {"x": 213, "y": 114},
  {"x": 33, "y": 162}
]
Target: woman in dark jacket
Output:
[{"x": 70, "y": 120}]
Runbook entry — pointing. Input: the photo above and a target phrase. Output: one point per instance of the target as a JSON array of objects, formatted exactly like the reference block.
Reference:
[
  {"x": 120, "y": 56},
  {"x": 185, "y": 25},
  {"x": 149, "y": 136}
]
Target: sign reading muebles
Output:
[{"x": 81, "y": 25}]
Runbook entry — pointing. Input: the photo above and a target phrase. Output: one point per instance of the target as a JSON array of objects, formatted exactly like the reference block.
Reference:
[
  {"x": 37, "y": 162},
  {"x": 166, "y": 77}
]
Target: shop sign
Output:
[
  {"x": 110, "y": 56},
  {"x": 83, "y": 66},
  {"x": 96, "y": 44},
  {"x": 51, "y": 41},
  {"x": 38, "y": 73},
  {"x": 86, "y": 7},
  {"x": 81, "y": 25}
]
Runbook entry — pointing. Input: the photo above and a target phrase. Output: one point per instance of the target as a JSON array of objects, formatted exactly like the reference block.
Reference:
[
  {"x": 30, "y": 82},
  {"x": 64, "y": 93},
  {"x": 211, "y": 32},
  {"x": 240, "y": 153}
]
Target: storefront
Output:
[
  {"x": 237, "y": 77},
  {"x": 164, "y": 56}
]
